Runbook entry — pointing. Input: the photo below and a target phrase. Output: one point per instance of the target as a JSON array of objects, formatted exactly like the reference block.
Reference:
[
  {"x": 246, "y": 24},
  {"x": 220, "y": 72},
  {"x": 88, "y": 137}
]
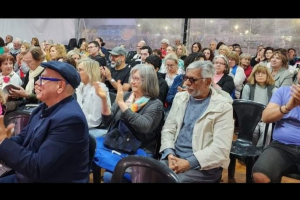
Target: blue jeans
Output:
[{"x": 9, "y": 179}]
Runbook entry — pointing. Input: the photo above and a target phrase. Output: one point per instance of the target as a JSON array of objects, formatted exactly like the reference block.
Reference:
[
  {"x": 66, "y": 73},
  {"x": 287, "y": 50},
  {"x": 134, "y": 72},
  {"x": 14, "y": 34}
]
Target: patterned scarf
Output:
[{"x": 138, "y": 104}]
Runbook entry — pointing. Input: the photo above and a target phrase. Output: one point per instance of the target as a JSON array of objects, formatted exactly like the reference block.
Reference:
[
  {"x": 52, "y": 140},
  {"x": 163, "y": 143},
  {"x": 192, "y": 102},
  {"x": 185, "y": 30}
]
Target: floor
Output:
[{"x": 240, "y": 174}]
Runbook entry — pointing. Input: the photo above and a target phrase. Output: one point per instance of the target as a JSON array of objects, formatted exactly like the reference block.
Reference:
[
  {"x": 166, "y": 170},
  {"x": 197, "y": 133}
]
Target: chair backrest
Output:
[
  {"x": 144, "y": 170},
  {"x": 72, "y": 44},
  {"x": 112, "y": 97},
  {"x": 92, "y": 149},
  {"x": 248, "y": 114},
  {"x": 4, "y": 108},
  {"x": 19, "y": 118},
  {"x": 80, "y": 42}
]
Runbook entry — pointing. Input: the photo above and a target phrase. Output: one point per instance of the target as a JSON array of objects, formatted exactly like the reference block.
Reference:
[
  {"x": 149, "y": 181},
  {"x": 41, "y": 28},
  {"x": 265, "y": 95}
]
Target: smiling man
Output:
[
  {"x": 53, "y": 147},
  {"x": 197, "y": 134}
]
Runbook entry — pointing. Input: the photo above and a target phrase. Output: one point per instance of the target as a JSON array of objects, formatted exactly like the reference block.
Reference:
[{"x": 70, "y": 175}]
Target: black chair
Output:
[
  {"x": 4, "y": 108},
  {"x": 130, "y": 56},
  {"x": 80, "y": 42},
  {"x": 248, "y": 113},
  {"x": 19, "y": 118},
  {"x": 72, "y": 44},
  {"x": 144, "y": 170}
]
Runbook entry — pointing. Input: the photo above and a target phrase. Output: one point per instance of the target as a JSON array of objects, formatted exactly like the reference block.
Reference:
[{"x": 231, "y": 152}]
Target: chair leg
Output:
[
  {"x": 231, "y": 167},
  {"x": 96, "y": 173},
  {"x": 249, "y": 164}
]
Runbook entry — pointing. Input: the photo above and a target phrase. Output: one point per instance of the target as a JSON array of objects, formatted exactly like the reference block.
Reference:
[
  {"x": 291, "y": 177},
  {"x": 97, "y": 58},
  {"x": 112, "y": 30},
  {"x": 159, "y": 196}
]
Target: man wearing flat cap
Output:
[
  {"x": 53, "y": 147},
  {"x": 118, "y": 70}
]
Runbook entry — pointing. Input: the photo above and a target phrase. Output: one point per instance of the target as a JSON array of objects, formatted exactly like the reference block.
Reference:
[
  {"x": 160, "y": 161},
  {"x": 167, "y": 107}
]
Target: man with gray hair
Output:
[
  {"x": 197, "y": 135},
  {"x": 17, "y": 43}
]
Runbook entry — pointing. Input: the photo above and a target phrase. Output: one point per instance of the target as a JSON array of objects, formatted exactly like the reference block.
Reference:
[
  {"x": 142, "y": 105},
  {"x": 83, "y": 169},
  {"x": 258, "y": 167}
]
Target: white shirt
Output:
[
  {"x": 13, "y": 79},
  {"x": 91, "y": 103}
]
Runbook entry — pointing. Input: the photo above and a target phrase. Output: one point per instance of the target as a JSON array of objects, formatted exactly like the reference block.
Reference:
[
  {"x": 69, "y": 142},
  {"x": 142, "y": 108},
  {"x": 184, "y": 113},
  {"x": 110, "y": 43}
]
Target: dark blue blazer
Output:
[{"x": 53, "y": 147}]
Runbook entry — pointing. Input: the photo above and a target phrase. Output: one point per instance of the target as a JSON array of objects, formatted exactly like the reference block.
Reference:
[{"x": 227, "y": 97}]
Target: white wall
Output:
[{"x": 59, "y": 30}]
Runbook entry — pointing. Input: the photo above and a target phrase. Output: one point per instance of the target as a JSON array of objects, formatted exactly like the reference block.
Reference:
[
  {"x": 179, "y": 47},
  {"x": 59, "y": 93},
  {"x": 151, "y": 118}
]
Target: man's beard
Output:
[{"x": 116, "y": 64}]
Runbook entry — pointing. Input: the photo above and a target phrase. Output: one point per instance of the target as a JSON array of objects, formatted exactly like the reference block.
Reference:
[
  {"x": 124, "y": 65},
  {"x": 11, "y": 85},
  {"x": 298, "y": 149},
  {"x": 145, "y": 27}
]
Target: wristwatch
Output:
[{"x": 112, "y": 80}]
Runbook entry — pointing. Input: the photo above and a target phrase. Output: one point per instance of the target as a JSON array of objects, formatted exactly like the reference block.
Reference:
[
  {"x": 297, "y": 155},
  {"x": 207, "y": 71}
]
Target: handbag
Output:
[{"x": 121, "y": 138}]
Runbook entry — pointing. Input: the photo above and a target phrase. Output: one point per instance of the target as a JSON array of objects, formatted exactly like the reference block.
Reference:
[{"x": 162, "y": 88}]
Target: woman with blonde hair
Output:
[
  {"x": 75, "y": 55},
  {"x": 58, "y": 52},
  {"x": 259, "y": 88},
  {"x": 224, "y": 50},
  {"x": 87, "y": 98},
  {"x": 181, "y": 52}
]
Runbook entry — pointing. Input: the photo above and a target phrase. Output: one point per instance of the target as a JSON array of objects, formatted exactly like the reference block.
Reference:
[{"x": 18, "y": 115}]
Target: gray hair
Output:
[
  {"x": 206, "y": 66},
  {"x": 149, "y": 78}
]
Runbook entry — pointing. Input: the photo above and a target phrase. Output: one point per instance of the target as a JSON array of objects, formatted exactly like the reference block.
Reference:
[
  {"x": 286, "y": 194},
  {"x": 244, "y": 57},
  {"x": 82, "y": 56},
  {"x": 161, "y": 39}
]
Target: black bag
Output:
[{"x": 121, "y": 138}]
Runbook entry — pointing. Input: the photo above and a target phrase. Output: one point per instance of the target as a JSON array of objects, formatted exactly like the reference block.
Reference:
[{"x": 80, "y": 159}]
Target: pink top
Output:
[{"x": 217, "y": 77}]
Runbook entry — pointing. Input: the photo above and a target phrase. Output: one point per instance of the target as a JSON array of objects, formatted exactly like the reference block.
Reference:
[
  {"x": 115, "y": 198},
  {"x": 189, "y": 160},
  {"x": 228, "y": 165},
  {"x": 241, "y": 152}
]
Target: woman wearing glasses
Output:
[
  {"x": 140, "y": 108},
  {"x": 221, "y": 79},
  {"x": 259, "y": 88}
]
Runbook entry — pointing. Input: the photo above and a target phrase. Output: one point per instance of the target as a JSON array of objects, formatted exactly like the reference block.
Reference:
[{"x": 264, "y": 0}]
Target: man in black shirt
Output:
[{"x": 118, "y": 70}]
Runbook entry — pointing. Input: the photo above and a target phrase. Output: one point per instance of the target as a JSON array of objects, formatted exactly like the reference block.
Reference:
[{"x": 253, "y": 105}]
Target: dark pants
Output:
[{"x": 277, "y": 159}]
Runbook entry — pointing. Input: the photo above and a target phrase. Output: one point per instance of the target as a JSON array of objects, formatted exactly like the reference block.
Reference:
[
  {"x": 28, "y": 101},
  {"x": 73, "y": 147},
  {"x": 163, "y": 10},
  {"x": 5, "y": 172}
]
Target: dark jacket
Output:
[
  {"x": 178, "y": 81},
  {"x": 226, "y": 83},
  {"x": 163, "y": 87},
  {"x": 145, "y": 122},
  {"x": 53, "y": 147}
]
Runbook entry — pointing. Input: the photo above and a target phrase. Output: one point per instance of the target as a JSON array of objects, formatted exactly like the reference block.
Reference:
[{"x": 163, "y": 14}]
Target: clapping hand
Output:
[
  {"x": 99, "y": 90},
  {"x": 5, "y": 132}
]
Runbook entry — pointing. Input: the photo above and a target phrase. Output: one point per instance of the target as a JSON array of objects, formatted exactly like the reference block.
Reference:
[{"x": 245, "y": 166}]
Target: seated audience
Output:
[
  {"x": 54, "y": 146},
  {"x": 279, "y": 69},
  {"x": 282, "y": 154},
  {"x": 259, "y": 88},
  {"x": 237, "y": 73},
  {"x": 155, "y": 61},
  {"x": 245, "y": 64},
  {"x": 118, "y": 70},
  {"x": 140, "y": 108},
  {"x": 26, "y": 93},
  {"x": 87, "y": 98},
  {"x": 221, "y": 78},
  {"x": 178, "y": 83},
  {"x": 197, "y": 135}
]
